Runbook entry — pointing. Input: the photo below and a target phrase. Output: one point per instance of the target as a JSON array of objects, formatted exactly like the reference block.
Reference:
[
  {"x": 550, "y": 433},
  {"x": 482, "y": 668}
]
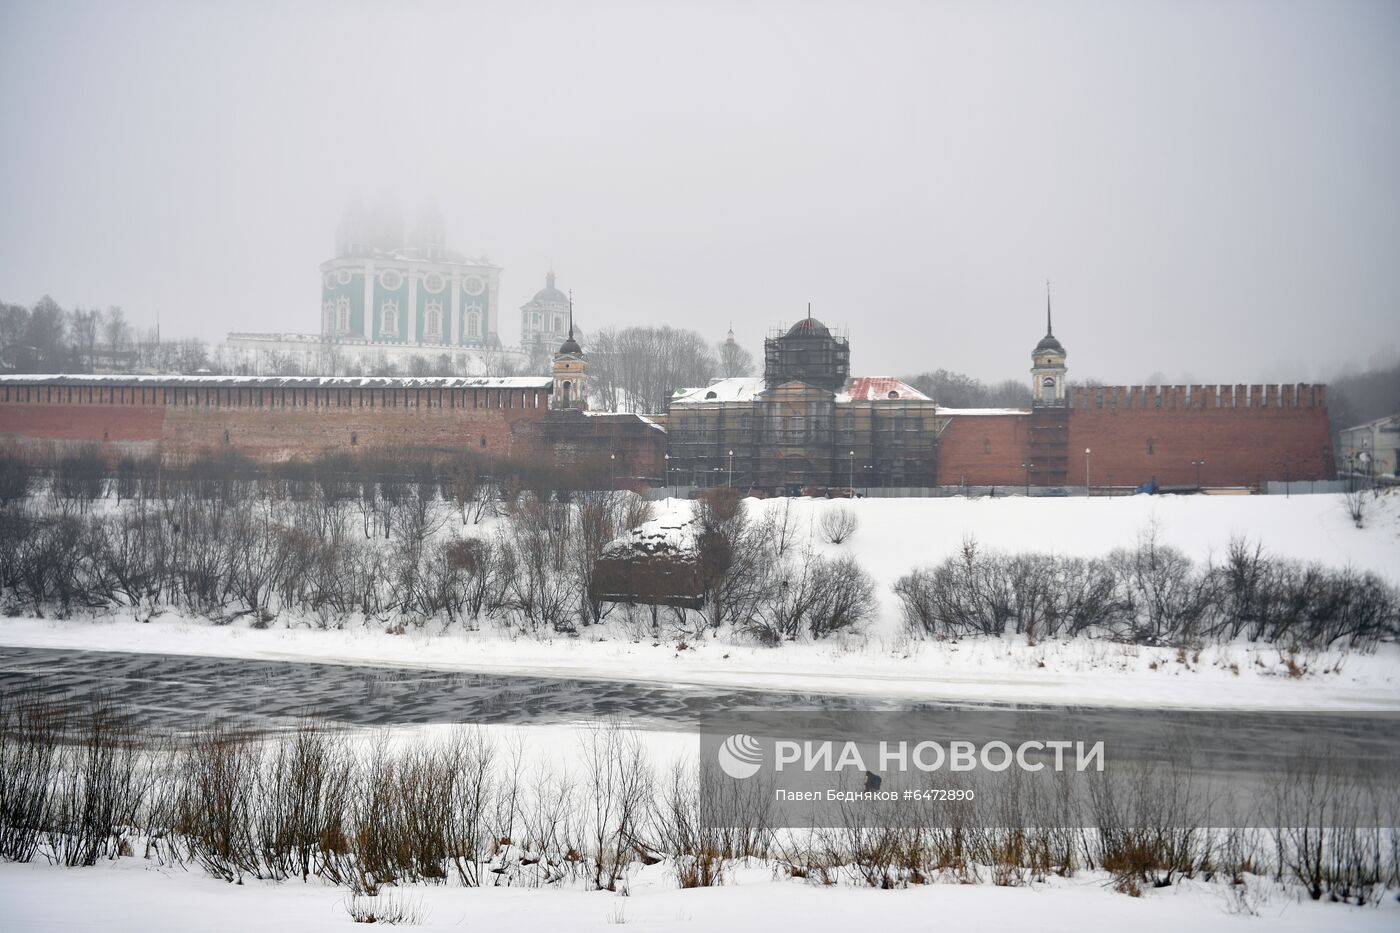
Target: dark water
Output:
[{"x": 181, "y": 691}]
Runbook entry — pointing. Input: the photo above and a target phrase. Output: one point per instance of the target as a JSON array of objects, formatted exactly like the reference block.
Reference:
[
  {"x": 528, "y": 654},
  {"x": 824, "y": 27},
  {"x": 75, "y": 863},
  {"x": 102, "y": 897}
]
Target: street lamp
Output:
[
  {"x": 868, "y": 476},
  {"x": 1198, "y": 464},
  {"x": 852, "y": 480},
  {"x": 668, "y": 475},
  {"x": 731, "y": 468},
  {"x": 612, "y": 471},
  {"x": 1086, "y": 469},
  {"x": 1027, "y": 466}
]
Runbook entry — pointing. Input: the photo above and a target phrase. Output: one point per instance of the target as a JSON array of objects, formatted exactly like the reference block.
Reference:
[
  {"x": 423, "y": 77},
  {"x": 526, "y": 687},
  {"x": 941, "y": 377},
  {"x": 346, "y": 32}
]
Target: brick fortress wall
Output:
[
  {"x": 303, "y": 420},
  {"x": 1244, "y": 433}
]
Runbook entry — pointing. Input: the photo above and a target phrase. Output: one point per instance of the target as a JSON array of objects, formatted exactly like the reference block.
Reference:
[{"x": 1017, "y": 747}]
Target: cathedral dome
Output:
[
  {"x": 808, "y": 327},
  {"x": 1049, "y": 344},
  {"x": 549, "y": 295},
  {"x": 570, "y": 345}
]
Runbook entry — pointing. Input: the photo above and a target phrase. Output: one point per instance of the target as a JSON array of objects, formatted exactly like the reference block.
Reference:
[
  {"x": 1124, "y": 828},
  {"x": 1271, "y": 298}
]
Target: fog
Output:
[{"x": 1212, "y": 189}]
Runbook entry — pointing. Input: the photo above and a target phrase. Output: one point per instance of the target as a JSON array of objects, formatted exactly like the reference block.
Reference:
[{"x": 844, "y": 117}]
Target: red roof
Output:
[{"x": 877, "y": 388}]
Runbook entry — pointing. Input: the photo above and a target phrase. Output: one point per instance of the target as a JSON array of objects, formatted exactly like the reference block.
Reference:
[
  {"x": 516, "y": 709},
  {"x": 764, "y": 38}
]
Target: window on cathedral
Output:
[
  {"x": 473, "y": 324},
  {"x": 432, "y": 321},
  {"x": 389, "y": 317},
  {"x": 342, "y": 314}
]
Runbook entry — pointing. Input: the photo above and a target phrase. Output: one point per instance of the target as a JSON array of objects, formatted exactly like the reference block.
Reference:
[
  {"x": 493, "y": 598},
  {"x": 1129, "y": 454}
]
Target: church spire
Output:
[
  {"x": 571, "y": 311},
  {"x": 1049, "y": 330}
]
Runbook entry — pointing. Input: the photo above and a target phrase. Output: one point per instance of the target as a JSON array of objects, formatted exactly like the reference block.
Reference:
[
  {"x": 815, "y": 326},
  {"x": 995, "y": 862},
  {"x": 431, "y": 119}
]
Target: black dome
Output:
[
  {"x": 1049, "y": 344},
  {"x": 570, "y": 345}
]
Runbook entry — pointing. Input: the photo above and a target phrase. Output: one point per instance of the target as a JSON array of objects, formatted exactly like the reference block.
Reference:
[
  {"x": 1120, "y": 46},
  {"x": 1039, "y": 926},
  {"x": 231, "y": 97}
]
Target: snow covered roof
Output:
[
  {"x": 735, "y": 389},
  {"x": 879, "y": 388},
  {"x": 649, "y": 422},
  {"x": 299, "y": 382},
  {"x": 1377, "y": 423},
  {"x": 966, "y": 412},
  {"x": 744, "y": 388},
  {"x": 671, "y": 532}
]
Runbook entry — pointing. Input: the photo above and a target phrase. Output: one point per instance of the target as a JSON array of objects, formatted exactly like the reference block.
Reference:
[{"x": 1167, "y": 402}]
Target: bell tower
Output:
[
  {"x": 570, "y": 370},
  {"x": 1048, "y": 365}
]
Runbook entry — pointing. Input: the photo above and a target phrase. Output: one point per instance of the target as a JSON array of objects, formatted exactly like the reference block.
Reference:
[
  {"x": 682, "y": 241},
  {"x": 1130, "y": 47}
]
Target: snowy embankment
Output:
[
  {"x": 894, "y": 537},
  {"x": 128, "y": 894}
]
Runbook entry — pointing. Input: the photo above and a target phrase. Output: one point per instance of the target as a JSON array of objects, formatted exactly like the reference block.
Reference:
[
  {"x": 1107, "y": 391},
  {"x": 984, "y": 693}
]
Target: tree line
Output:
[{"x": 404, "y": 539}]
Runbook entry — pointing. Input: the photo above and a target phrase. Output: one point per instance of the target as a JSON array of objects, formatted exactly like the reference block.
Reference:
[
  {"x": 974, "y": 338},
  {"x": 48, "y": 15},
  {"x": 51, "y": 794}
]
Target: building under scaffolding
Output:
[{"x": 806, "y": 423}]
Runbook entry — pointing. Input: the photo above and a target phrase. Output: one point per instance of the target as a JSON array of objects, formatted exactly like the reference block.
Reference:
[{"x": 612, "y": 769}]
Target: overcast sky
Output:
[{"x": 1213, "y": 189}]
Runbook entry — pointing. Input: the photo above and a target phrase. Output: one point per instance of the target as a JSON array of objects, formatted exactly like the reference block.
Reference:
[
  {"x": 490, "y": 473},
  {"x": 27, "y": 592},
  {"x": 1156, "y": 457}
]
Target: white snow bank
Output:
[{"x": 132, "y": 894}]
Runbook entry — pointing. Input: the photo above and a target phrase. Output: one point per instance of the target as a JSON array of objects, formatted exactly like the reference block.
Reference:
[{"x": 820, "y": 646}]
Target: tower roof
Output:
[
  {"x": 1049, "y": 343},
  {"x": 570, "y": 345}
]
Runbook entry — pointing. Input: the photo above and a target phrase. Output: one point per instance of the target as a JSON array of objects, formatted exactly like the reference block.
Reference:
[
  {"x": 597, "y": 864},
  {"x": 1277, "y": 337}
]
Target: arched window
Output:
[
  {"x": 389, "y": 317},
  {"x": 432, "y": 321},
  {"x": 342, "y": 314},
  {"x": 328, "y": 316},
  {"x": 567, "y": 388},
  {"x": 473, "y": 324}
]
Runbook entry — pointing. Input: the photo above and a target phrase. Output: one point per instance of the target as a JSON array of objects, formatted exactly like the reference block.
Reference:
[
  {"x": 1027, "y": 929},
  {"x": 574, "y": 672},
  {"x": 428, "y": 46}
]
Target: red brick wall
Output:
[
  {"x": 1241, "y": 447},
  {"x": 1245, "y": 434},
  {"x": 984, "y": 450},
  {"x": 289, "y": 428}
]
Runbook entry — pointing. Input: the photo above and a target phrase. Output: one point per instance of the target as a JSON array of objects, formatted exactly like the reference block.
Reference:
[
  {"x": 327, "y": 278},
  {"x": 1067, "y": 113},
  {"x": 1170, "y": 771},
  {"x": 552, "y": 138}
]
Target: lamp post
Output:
[
  {"x": 668, "y": 475},
  {"x": 1198, "y": 464},
  {"x": 1086, "y": 469},
  {"x": 1027, "y": 466},
  {"x": 864, "y": 468},
  {"x": 851, "y": 481},
  {"x": 612, "y": 470},
  {"x": 731, "y": 468}
]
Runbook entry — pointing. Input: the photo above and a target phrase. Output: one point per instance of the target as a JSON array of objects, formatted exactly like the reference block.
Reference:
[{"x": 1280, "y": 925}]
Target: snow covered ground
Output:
[
  {"x": 896, "y": 536},
  {"x": 130, "y": 894}
]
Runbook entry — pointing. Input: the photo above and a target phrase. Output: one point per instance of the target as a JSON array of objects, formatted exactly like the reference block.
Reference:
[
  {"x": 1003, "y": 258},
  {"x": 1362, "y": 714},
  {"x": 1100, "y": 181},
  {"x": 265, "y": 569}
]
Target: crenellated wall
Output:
[
  {"x": 277, "y": 419},
  {"x": 1301, "y": 395},
  {"x": 1134, "y": 434},
  {"x": 1245, "y": 434}
]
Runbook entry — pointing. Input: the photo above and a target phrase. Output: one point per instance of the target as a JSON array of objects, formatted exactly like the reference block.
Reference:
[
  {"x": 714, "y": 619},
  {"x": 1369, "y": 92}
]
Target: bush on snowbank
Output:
[{"x": 1151, "y": 595}]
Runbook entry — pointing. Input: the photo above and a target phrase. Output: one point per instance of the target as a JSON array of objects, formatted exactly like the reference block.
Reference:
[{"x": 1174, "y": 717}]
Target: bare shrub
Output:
[
  {"x": 30, "y": 729},
  {"x": 100, "y": 786},
  {"x": 838, "y": 524},
  {"x": 618, "y": 793},
  {"x": 215, "y": 808},
  {"x": 16, "y": 477},
  {"x": 389, "y": 906},
  {"x": 302, "y": 823},
  {"x": 1358, "y": 505}
]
